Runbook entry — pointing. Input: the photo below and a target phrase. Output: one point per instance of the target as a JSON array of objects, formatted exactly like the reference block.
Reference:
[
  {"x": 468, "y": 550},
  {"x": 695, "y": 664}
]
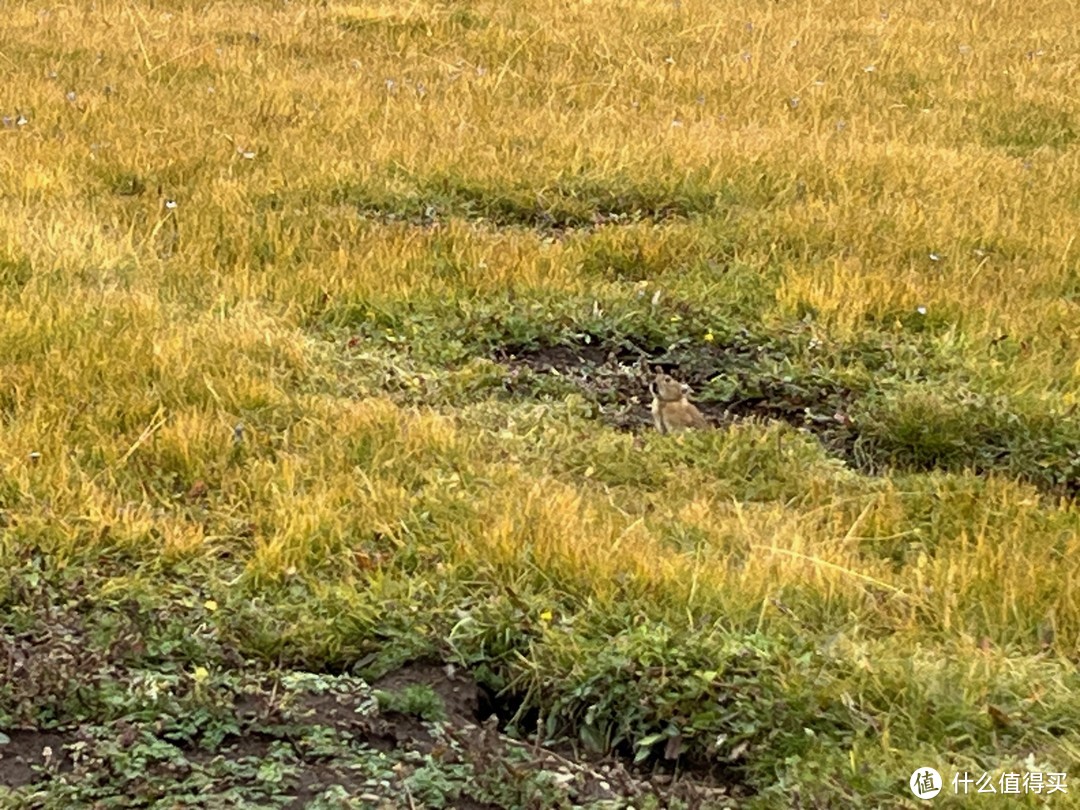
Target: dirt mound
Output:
[
  {"x": 27, "y": 756},
  {"x": 617, "y": 374}
]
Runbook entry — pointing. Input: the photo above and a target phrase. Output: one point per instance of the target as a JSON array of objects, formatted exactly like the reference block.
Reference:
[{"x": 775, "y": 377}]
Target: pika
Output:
[{"x": 671, "y": 410}]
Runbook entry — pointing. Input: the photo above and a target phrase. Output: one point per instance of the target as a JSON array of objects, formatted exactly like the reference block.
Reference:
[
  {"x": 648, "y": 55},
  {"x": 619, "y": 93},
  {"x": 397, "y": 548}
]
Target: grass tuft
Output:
[{"x": 326, "y": 332}]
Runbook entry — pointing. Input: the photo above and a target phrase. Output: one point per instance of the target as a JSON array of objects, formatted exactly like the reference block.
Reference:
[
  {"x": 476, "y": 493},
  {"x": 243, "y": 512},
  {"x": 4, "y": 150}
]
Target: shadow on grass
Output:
[{"x": 567, "y": 203}]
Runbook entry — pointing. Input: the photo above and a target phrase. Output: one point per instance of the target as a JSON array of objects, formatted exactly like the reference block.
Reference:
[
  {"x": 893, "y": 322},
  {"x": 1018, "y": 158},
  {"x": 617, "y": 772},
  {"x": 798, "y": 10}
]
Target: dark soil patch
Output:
[
  {"x": 739, "y": 377},
  {"x": 317, "y": 777},
  {"x": 30, "y": 755},
  {"x": 616, "y": 374},
  {"x": 253, "y": 745},
  {"x": 278, "y": 727},
  {"x": 476, "y": 719},
  {"x": 459, "y": 693}
]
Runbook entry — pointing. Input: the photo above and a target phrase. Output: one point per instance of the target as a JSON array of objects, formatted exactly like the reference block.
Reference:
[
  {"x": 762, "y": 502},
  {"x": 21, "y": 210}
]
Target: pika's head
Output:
[{"x": 667, "y": 389}]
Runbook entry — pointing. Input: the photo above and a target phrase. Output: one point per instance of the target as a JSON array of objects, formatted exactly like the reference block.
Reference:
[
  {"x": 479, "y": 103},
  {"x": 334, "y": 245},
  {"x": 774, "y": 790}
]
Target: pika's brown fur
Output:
[{"x": 671, "y": 410}]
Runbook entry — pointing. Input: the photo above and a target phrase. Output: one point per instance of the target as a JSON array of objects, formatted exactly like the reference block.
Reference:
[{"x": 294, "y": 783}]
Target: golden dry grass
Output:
[{"x": 851, "y": 160}]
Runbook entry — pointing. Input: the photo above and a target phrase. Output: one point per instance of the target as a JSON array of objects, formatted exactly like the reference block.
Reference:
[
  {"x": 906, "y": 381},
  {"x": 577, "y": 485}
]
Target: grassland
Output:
[{"x": 371, "y": 394}]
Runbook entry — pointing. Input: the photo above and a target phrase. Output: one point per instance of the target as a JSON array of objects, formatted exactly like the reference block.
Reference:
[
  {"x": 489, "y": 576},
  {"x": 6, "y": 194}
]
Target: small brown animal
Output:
[{"x": 671, "y": 410}]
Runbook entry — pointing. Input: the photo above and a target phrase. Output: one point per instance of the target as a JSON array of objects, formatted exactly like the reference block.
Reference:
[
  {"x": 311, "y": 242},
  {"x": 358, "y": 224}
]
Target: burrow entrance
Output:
[
  {"x": 746, "y": 376},
  {"x": 615, "y": 374}
]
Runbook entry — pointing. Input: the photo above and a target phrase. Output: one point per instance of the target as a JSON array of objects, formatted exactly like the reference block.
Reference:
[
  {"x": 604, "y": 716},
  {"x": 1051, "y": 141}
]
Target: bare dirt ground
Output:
[{"x": 325, "y": 738}]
